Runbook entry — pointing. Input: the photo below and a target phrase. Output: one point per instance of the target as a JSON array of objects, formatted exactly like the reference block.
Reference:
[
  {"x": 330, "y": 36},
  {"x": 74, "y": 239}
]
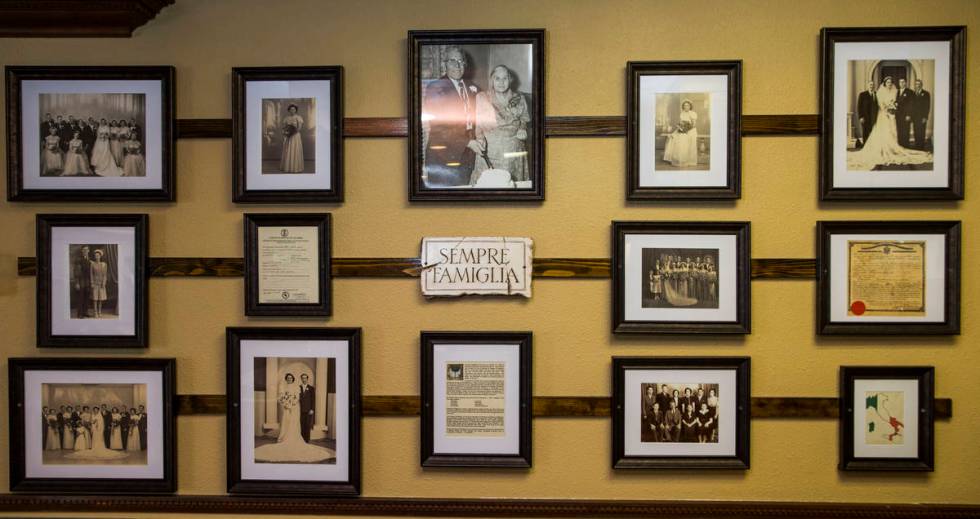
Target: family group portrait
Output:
[
  {"x": 686, "y": 413},
  {"x": 289, "y": 135},
  {"x": 94, "y": 280},
  {"x": 682, "y": 131},
  {"x": 679, "y": 278}
]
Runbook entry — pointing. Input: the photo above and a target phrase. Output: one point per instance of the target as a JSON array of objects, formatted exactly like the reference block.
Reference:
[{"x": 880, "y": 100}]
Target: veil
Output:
[{"x": 886, "y": 94}]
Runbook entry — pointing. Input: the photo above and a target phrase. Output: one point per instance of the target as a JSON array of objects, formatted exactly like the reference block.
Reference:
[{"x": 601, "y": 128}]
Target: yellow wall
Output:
[{"x": 587, "y": 46}]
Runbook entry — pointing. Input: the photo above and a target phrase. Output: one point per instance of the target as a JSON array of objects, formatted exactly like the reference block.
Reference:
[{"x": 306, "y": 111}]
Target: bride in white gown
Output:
[
  {"x": 882, "y": 148},
  {"x": 290, "y": 446},
  {"x": 98, "y": 450}
]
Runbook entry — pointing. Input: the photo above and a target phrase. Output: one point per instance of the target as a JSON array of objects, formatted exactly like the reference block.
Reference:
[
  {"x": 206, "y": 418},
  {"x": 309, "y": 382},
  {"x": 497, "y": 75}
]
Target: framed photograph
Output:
[
  {"x": 92, "y": 288},
  {"x": 681, "y": 277},
  {"x": 892, "y": 113},
  {"x": 92, "y": 426},
  {"x": 287, "y": 264},
  {"x": 84, "y": 134},
  {"x": 288, "y": 134},
  {"x": 888, "y": 278},
  {"x": 294, "y": 411},
  {"x": 681, "y": 412},
  {"x": 476, "y": 115},
  {"x": 476, "y": 399},
  {"x": 684, "y": 130},
  {"x": 886, "y": 418}
]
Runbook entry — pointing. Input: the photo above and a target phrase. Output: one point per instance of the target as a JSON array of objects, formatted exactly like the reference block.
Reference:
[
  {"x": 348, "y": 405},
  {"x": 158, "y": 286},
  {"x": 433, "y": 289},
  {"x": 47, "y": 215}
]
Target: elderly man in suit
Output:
[
  {"x": 867, "y": 112},
  {"x": 449, "y": 109},
  {"x": 903, "y": 112},
  {"x": 920, "y": 108}
]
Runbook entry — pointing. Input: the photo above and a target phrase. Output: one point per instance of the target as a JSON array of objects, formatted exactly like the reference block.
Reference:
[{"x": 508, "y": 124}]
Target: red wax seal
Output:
[{"x": 858, "y": 308}]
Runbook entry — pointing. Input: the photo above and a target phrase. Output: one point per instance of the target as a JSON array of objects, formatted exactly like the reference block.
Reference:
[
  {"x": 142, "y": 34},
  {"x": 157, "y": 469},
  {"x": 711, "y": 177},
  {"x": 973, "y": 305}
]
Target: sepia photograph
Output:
[
  {"x": 680, "y": 278},
  {"x": 679, "y": 412},
  {"x": 683, "y": 131},
  {"x": 94, "y": 281},
  {"x": 289, "y": 137}
]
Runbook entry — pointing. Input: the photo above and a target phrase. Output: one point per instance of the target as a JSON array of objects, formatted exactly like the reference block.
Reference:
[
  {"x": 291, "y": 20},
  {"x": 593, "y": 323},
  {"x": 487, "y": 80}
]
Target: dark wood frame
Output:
[
  {"x": 417, "y": 191},
  {"x": 951, "y": 306},
  {"x": 141, "y": 334},
  {"x": 925, "y": 376},
  {"x": 743, "y": 269},
  {"x": 429, "y": 458},
  {"x": 16, "y": 192},
  {"x": 742, "y": 367},
  {"x": 238, "y": 485},
  {"x": 956, "y": 36},
  {"x": 252, "y": 223},
  {"x": 19, "y": 482},
  {"x": 240, "y": 77},
  {"x": 634, "y": 71}
]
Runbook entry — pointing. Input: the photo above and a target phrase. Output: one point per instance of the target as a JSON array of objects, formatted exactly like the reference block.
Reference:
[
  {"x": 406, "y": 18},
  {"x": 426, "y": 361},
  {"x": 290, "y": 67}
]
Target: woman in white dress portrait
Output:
[
  {"x": 102, "y": 160},
  {"x": 882, "y": 148},
  {"x": 53, "y": 442},
  {"x": 52, "y": 160},
  {"x": 67, "y": 432},
  {"x": 115, "y": 438},
  {"x": 97, "y": 450},
  {"x": 290, "y": 446},
  {"x": 76, "y": 163},
  {"x": 292, "y": 142},
  {"x": 133, "y": 443},
  {"x": 681, "y": 149}
]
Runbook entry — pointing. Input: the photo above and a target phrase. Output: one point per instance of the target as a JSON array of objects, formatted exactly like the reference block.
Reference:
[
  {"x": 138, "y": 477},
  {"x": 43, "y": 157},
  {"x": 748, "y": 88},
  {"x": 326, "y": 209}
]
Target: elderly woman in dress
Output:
[{"x": 502, "y": 121}]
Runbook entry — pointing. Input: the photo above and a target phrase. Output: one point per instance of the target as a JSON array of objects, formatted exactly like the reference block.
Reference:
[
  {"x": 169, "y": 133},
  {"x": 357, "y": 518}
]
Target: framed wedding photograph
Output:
[
  {"x": 681, "y": 277},
  {"x": 287, "y": 264},
  {"x": 288, "y": 134},
  {"x": 92, "y": 426},
  {"x": 87, "y": 134},
  {"x": 476, "y": 399},
  {"x": 681, "y": 412},
  {"x": 684, "y": 130},
  {"x": 886, "y": 418},
  {"x": 294, "y": 411},
  {"x": 892, "y": 113},
  {"x": 92, "y": 288},
  {"x": 888, "y": 278},
  {"x": 476, "y": 115}
]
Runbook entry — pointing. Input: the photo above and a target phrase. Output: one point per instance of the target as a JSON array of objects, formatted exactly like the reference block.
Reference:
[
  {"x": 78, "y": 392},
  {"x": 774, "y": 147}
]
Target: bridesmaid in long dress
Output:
[
  {"x": 76, "y": 163},
  {"x": 52, "y": 160},
  {"x": 67, "y": 431},
  {"x": 115, "y": 440},
  {"x": 53, "y": 442},
  {"x": 116, "y": 141},
  {"x": 292, "y": 142},
  {"x": 134, "y": 165},
  {"x": 133, "y": 443}
]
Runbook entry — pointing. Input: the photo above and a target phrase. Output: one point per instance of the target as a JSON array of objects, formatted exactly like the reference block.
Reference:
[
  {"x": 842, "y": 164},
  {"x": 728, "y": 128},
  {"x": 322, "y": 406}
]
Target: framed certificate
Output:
[{"x": 287, "y": 264}]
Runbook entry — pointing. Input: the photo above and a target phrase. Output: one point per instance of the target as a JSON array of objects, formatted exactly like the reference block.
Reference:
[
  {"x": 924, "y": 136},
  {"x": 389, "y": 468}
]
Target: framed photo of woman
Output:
[
  {"x": 681, "y": 277},
  {"x": 288, "y": 134},
  {"x": 92, "y": 426},
  {"x": 92, "y": 288},
  {"x": 294, "y": 411},
  {"x": 476, "y": 399},
  {"x": 681, "y": 412},
  {"x": 683, "y": 130},
  {"x": 476, "y": 115},
  {"x": 83, "y": 134},
  {"x": 886, "y": 418},
  {"x": 888, "y": 278},
  {"x": 892, "y": 113}
]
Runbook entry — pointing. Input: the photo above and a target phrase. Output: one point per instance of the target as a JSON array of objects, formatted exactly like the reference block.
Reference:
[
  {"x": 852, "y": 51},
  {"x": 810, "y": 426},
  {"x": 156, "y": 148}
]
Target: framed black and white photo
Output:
[
  {"x": 476, "y": 399},
  {"x": 886, "y": 418},
  {"x": 681, "y": 412},
  {"x": 684, "y": 130},
  {"x": 92, "y": 426},
  {"x": 287, "y": 264},
  {"x": 681, "y": 277},
  {"x": 294, "y": 411},
  {"x": 888, "y": 278},
  {"x": 92, "y": 288},
  {"x": 287, "y": 134},
  {"x": 90, "y": 134},
  {"x": 476, "y": 115},
  {"x": 893, "y": 113}
]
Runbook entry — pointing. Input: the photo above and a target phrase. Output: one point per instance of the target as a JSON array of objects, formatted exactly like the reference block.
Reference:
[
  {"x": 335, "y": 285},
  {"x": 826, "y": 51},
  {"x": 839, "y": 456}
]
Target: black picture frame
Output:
[
  {"x": 16, "y": 189},
  {"x": 322, "y": 222},
  {"x": 956, "y": 36},
  {"x": 417, "y": 190},
  {"x": 743, "y": 269},
  {"x": 239, "y": 485},
  {"x": 637, "y": 69},
  {"x": 743, "y": 404},
  {"x": 19, "y": 482},
  {"x": 430, "y": 458},
  {"x": 925, "y": 460},
  {"x": 240, "y": 77},
  {"x": 45, "y": 223},
  {"x": 950, "y": 325}
]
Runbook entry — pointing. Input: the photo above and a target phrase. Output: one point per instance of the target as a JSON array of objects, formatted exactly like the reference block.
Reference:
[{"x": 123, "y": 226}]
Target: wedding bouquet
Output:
[
  {"x": 288, "y": 400},
  {"x": 684, "y": 126},
  {"x": 289, "y": 130},
  {"x": 891, "y": 107}
]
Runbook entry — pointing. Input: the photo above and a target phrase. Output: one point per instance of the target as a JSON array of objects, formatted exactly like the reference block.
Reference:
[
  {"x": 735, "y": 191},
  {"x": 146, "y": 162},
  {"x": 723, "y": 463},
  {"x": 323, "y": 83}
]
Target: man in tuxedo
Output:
[
  {"x": 132, "y": 124},
  {"x": 142, "y": 428},
  {"x": 106, "y": 424},
  {"x": 698, "y": 400},
  {"x": 664, "y": 397},
  {"x": 903, "y": 112},
  {"x": 46, "y": 125},
  {"x": 44, "y": 427},
  {"x": 81, "y": 281},
  {"x": 649, "y": 406},
  {"x": 65, "y": 132},
  {"x": 921, "y": 106},
  {"x": 672, "y": 423},
  {"x": 867, "y": 110},
  {"x": 307, "y": 400},
  {"x": 450, "y": 106}
]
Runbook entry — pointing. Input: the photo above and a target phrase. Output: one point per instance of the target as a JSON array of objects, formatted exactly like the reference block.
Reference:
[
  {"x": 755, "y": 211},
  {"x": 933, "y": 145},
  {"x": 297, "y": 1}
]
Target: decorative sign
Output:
[{"x": 483, "y": 266}]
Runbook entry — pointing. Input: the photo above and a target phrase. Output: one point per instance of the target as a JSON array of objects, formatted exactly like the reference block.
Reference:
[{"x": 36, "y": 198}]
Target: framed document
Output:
[
  {"x": 886, "y": 418},
  {"x": 85, "y": 134},
  {"x": 681, "y": 277},
  {"x": 287, "y": 264},
  {"x": 92, "y": 288},
  {"x": 888, "y": 278},
  {"x": 476, "y": 399},
  {"x": 92, "y": 426},
  {"x": 684, "y": 130},
  {"x": 681, "y": 412},
  {"x": 893, "y": 113},
  {"x": 294, "y": 411},
  {"x": 288, "y": 134}
]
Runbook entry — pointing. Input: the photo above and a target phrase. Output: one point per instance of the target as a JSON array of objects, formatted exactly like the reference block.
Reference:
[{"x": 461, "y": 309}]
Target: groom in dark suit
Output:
[
  {"x": 450, "y": 107},
  {"x": 867, "y": 111},
  {"x": 903, "y": 112},
  {"x": 106, "y": 424},
  {"x": 307, "y": 397}
]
